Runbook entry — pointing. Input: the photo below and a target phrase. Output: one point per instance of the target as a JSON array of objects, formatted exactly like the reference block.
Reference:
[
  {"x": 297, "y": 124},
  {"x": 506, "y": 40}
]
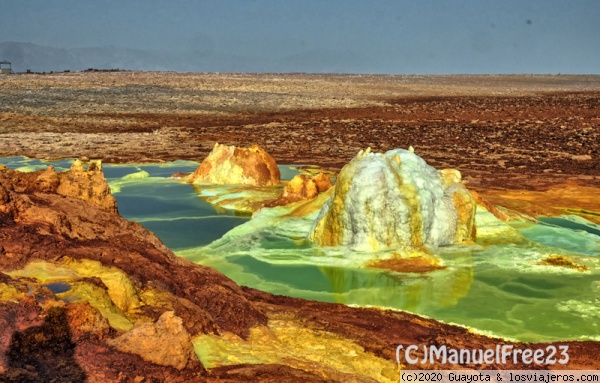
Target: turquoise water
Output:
[
  {"x": 493, "y": 286},
  {"x": 169, "y": 208}
]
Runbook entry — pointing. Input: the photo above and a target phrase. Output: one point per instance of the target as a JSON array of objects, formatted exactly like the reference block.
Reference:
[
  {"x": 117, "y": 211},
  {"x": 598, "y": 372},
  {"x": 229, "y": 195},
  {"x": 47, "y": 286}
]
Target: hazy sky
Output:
[{"x": 395, "y": 36}]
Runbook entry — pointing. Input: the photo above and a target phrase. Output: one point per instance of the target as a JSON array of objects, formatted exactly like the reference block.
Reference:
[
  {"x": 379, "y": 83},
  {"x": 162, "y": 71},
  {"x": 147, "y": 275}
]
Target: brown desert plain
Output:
[{"x": 528, "y": 143}]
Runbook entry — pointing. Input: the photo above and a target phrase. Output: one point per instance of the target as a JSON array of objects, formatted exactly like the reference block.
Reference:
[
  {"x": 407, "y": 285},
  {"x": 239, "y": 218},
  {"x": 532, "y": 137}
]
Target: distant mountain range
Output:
[{"x": 38, "y": 58}]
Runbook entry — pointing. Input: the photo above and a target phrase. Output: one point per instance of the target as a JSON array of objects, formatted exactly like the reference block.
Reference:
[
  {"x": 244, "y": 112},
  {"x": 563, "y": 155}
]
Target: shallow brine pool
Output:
[{"x": 497, "y": 288}]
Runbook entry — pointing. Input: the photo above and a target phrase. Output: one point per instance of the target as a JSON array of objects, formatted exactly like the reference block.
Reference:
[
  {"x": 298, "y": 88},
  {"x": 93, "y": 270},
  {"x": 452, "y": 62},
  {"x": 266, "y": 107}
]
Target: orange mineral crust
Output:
[{"x": 561, "y": 199}]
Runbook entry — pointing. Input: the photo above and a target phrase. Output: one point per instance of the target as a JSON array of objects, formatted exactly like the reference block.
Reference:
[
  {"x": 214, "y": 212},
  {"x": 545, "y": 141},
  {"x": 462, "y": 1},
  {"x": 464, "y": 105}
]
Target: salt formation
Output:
[
  {"x": 86, "y": 184},
  {"x": 302, "y": 187},
  {"x": 305, "y": 187},
  {"x": 232, "y": 165},
  {"x": 395, "y": 200}
]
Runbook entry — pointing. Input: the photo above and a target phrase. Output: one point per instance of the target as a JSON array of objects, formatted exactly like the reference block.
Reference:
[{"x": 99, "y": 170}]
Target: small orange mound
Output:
[{"x": 302, "y": 187}]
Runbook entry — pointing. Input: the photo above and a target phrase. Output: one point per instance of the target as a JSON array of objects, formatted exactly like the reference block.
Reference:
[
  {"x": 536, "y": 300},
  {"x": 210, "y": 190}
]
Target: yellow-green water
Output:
[{"x": 493, "y": 286}]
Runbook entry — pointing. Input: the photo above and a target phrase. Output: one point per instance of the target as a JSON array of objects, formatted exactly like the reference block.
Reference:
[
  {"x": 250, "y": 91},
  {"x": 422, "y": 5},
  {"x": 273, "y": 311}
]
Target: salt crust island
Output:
[
  {"x": 247, "y": 179},
  {"x": 233, "y": 165},
  {"x": 395, "y": 201},
  {"x": 87, "y": 296},
  {"x": 391, "y": 206},
  {"x": 380, "y": 201}
]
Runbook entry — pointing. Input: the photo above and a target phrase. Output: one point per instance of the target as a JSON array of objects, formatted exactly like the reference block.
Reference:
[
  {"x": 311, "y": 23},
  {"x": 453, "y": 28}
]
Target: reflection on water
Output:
[{"x": 494, "y": 286}]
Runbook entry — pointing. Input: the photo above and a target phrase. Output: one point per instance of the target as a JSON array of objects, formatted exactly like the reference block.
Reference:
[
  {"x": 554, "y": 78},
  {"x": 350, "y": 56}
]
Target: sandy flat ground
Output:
[{"x": 506, "y": 131}]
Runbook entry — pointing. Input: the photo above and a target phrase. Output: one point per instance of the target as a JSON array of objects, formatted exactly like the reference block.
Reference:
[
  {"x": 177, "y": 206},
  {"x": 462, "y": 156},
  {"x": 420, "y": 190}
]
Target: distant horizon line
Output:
[
  {"x": 110, "y": 57},
  {"x": 296, "y": 73}
]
